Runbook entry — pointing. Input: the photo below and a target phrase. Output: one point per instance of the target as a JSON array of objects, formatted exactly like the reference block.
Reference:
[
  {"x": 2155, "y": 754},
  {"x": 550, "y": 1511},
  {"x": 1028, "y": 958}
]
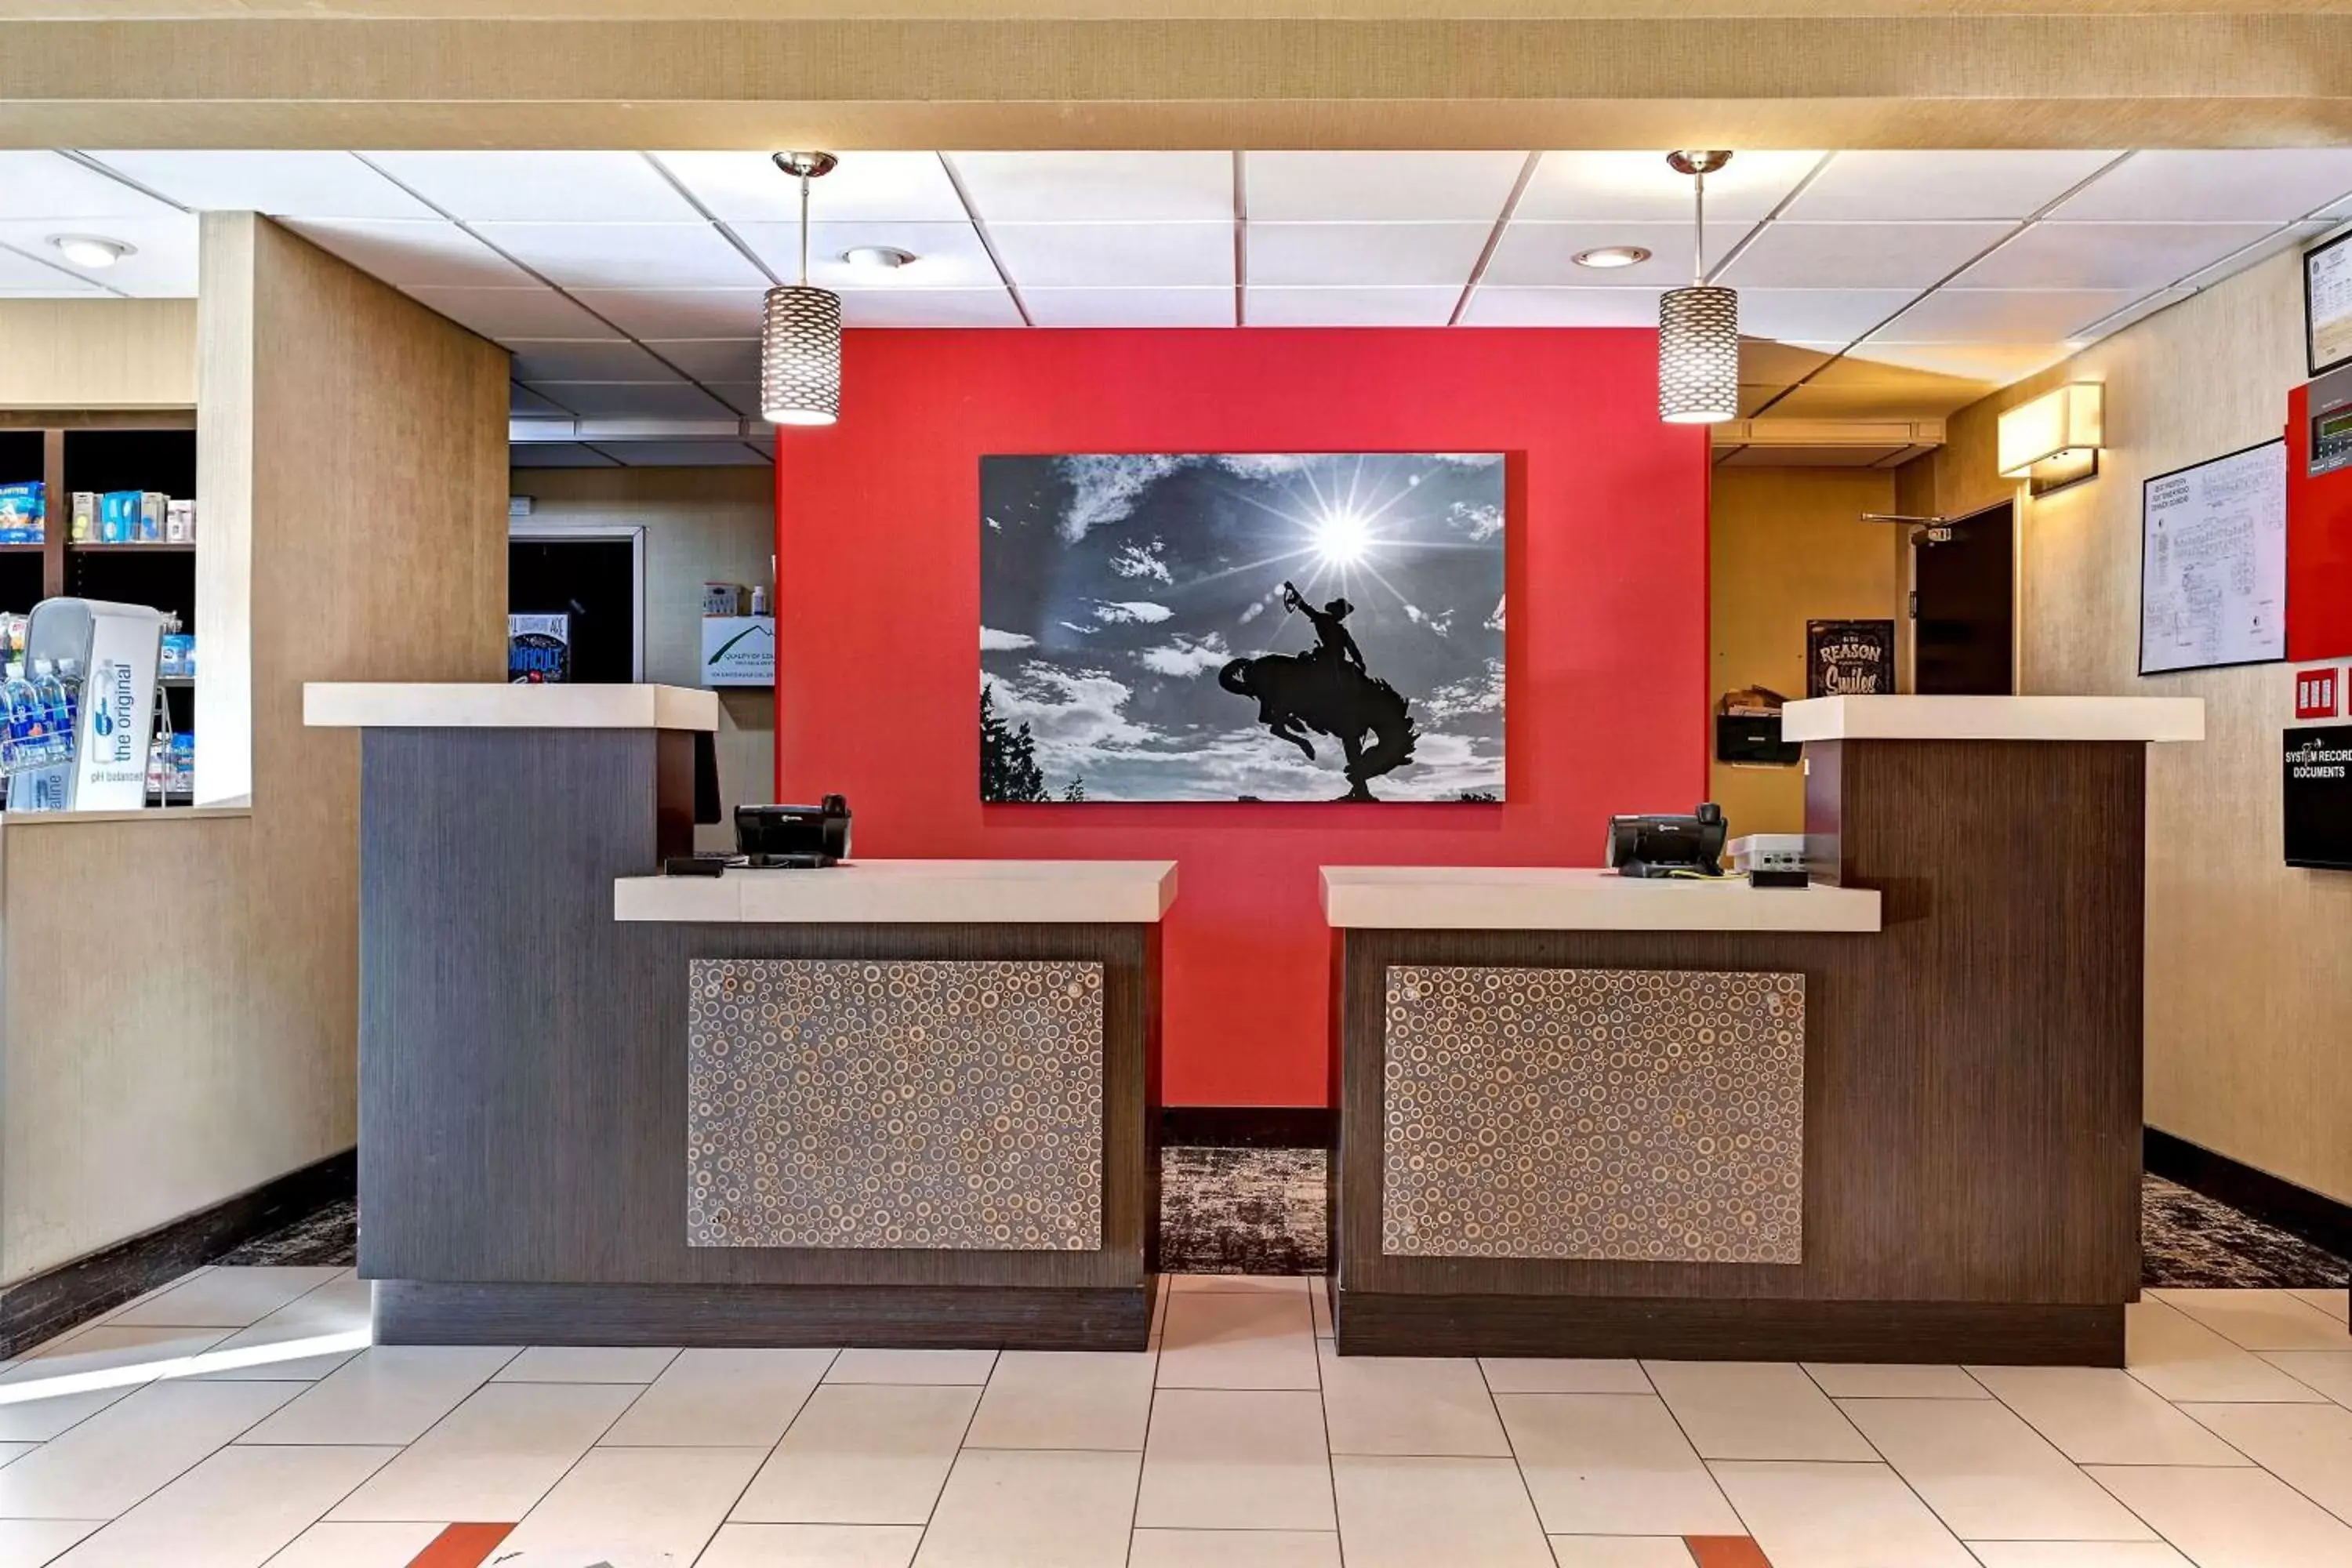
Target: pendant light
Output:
[
  {"x": 799, "y": 335},
  {"x": 1699, "y": 327}
]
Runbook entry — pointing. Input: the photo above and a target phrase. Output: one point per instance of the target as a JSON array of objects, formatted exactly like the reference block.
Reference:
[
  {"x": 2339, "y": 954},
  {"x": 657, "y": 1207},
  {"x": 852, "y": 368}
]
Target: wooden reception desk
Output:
[
  {"x": 1895, "y": 1116},
  {"x": 891, "y": 1103}
]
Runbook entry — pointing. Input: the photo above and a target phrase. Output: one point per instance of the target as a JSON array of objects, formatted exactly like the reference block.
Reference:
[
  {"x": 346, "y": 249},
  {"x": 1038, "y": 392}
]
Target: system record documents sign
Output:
[{"x": 2213, "y": 563}]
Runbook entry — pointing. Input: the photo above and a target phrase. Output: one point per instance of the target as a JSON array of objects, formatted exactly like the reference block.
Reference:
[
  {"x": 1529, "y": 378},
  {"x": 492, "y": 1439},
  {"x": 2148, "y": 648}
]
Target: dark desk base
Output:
[
  {"x": 1701, "y": 1329},
  {"x": 901, "y": 1317}
]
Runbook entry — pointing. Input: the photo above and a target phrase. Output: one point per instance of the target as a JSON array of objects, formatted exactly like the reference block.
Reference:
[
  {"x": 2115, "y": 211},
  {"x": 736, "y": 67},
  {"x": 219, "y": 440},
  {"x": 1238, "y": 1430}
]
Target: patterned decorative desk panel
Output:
[
  {"x": 912, "y": 1104},
  {"x": 1652, "y": 1115}
]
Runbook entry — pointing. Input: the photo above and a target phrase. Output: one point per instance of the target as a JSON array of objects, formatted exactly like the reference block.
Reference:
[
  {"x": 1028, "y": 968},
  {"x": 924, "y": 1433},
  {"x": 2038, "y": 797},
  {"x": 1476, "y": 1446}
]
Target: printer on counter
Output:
[{"x": 799, "y": 836}]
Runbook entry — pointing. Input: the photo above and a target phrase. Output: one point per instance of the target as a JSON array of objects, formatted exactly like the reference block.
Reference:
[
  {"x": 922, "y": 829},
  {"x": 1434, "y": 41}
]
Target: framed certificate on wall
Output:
[{"x": 2327, "y": 304}]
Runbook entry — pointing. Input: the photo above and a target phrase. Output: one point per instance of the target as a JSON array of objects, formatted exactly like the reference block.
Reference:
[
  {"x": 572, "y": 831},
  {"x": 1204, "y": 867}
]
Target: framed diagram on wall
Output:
[{"x": 1242, "y": 626}]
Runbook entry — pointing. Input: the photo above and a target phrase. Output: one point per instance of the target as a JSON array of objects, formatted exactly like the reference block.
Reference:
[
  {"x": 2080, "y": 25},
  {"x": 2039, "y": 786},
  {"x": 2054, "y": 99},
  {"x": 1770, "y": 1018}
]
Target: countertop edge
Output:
[
  {"x": 2152, "y": 719},
  {"x": 491, "y": 705}
]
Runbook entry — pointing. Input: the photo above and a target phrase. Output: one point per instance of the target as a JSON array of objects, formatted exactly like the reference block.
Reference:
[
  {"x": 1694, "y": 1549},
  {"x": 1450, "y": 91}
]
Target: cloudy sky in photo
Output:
[{"x": 1113, "y": 587}]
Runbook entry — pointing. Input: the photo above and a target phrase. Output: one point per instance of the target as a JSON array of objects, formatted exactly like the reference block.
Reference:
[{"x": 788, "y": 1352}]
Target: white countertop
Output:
[
  {"x": 1994, "y": 719},
  {"x": 1544, "y": 897},
  {"x": 913, "y": 893},
  {"x": 485, "y": 705}
]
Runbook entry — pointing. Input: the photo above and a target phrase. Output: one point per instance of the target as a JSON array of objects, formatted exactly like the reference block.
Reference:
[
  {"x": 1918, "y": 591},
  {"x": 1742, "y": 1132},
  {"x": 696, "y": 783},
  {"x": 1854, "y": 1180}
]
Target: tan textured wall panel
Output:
[
  {"x": 1786, "y": 546},
  {"x": 2249, "y": 963},
  {"x": 98, "y": 354}
]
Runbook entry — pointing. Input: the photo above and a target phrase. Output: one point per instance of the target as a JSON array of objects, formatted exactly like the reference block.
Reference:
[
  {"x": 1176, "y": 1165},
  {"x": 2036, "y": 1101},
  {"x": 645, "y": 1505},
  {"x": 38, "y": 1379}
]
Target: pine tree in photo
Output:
[{"x": 1009, "y": 773}]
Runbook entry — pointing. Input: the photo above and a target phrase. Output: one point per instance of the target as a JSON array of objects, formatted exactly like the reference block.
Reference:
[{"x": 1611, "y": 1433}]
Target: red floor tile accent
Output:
[
  {"x": 468, "y": 1546},
  {"x": 1726, "y": 1552}
]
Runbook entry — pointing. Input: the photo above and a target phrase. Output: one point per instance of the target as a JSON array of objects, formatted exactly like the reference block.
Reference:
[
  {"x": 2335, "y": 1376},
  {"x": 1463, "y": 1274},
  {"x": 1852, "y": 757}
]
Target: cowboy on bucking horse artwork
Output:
[{"x": 1327, "y": 690}]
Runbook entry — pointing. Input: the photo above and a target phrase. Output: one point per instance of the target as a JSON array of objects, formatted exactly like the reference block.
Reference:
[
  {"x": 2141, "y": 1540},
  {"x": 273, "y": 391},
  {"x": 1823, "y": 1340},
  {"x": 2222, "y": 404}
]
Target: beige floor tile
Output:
[
  {"x": 940, "y": 1367},
  {"x": 1066, "y": 1399},
  {"x": 237, "y": 1509},
  {"x": 1838, "y": 1516},
  {"x": 636, "y": 1505},
  {"x": 2230, "y": 1518},
  {"x": 2326, "y": 1371},
  {"x": 1218, "y": 1340},
  {"x": 104, "y": 1349},
  {"x": 390, "y": 1394},
  {"x": 1544, "y": 1374},
  {"x": 2335, "y": 1301},
  {"x": 135, "y": 1447},
  {"x": 862, "y": 1454},
  {"x": 357, "y": 1546},
  {"x": 1988, "y": 1474},
  {"x": 38, "y": 1420},
  {"x": 1235, "y": 1459},
  {"x": 1242, "y": 1284},
  {"x": 493, "y": 1457},
  {"x": 721, "y": 1399},
  {"x": 2067, "y": 1554},
  {"x": 812, "y": 1546},
  {"x": 225, "y": 1297},
  {"x": 339, "y": 1309},
  {"x": 35, "y": 1542},
  {"x": 1754, "y": 1410},
  {"x": 1613, "y": 1464},
  {"x": 1235, "y": 1549},
  {"x": 2099, "y": 1416},
  {"x": 1413, "y": 1512},
  {"x": 1010, "y": 1508},
  {"x": 1861, "y": 1380},
  {"x": 587, "y": 1363},
  {"x": 1619, "y": 1551},
  {"x": 1318, "y": 1296},
  {"x": 2182, "y": 1359},
  {"x": 1409, "y": 1404},
  {"x": 2308, "y": 1447},
  {"x": 2261, "y": 1320}
]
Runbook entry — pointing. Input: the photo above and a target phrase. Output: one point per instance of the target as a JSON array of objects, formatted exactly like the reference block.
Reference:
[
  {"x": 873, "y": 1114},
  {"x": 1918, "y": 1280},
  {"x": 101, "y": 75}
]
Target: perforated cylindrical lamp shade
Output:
[
  {"x": 800, "y": 356},
  {"x": 1698, "y": 355}
]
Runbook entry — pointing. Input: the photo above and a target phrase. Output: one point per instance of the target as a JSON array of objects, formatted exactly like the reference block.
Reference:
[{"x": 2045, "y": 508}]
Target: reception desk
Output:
[
  {"x": 888, "y": 1103},
  {"x": 1893, "y": 1116}
]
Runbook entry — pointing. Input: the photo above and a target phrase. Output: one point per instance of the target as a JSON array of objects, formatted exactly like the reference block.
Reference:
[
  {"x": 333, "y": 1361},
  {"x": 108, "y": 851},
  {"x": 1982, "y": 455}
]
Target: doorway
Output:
[
  {"x": 1963, "y": 607},
  {"x": 594, "y": 577}
]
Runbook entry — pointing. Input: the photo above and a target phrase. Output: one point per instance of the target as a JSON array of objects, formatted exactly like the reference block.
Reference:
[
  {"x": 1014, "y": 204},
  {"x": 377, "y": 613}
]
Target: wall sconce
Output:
[{"x": 2054, "y": 440}]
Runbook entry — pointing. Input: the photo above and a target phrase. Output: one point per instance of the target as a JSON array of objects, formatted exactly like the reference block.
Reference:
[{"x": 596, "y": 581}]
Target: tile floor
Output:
[{"x": 238, "y": 1420}]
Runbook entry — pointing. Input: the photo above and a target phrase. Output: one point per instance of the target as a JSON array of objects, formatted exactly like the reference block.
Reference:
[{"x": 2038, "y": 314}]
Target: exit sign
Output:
[{"x": 2315, "y": 692}]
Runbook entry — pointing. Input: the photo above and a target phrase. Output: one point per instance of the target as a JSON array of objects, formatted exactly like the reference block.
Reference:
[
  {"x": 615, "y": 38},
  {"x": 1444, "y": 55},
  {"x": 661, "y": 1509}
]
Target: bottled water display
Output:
[{"x": 40, "y": 718}]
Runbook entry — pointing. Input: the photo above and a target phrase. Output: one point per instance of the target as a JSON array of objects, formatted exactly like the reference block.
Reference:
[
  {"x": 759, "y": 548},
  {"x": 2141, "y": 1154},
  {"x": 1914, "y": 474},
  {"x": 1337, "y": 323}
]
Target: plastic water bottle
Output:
[
  {"x": 27, "y": 732},
  {"x": 57, "y": 708}
]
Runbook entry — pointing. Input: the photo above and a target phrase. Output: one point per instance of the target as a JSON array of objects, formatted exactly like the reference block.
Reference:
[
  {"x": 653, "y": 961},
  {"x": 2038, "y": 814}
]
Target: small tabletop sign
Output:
[
  {"x": 1849, "y": 659},
  {"x": 738, "y": 650}
]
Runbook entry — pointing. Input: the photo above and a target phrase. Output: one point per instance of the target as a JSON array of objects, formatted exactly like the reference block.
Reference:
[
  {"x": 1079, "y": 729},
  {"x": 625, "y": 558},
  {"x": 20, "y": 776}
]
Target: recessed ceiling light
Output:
[
  {"x": 90, "y": 250},
  {"x": 1607, "y": 256},
  {"x": 877, "y": 257}
]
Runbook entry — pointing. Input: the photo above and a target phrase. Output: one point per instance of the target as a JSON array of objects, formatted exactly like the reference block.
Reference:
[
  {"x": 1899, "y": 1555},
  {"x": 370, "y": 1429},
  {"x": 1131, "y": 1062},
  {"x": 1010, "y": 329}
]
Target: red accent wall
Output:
[
  {"x": 2319, "y": 546},
  {"x": 878, "y": 632}
]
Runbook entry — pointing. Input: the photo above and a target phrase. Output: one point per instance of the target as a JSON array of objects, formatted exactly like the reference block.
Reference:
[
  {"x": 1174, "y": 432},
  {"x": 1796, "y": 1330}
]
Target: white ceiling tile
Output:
[
  {"x": 1857, "y": 255},
  {"x": 1325, "y": 187},
  {"x": 1492, "y": 307},
  {"x": 680, "y": 312},
  {"x": 710, "y": 360},
  {"x": 2217, "y": 187},
  {"x": 1818, "y": 315},
  {"x": 1115, "y": 255},
  {"x": 1543, "y": 255},
  {"x": 522, "y": 402},
  {"x": 1401, "y": 306},
  {"x": 411, "y": 254},
  {"x": 1911, "y": 187},
  {"x": 304, "y": 184},
  {"x": 534, "y": 310},
  {"x": 877, "y": 187},
  {"x": 37, "y": 185},
  {"x": 2000, "y": 316},
  {"x": 162, "y": 263},
  {"x": 633, "y": 400},
  {"x": 742, "y": 397},
  {"x": 2137, "y": 310},
  {"x": 947, "y": 255},
  {"x": 24, "y": 275},
  {"x": 2337, "y": 211},
  {"x": 2286, "y": 238},
  {"x": 1130, "y": 307},
  {"x": 556, "y": 455},
  {"x": 625, "y": 255},
  {"x": 1640, "y": 187},
  {"x": 550, "y": 187},
  {"x": 1997, "y": 365},
  {"x": 928, "y": 307},
  {"x": 1308, "y": 255},
  {"x": 2108, "y": 254},
  {"x": 688, "y": 454},
  {"x": 1096, "y": 187},
  {"x": 546, "y": 360}
]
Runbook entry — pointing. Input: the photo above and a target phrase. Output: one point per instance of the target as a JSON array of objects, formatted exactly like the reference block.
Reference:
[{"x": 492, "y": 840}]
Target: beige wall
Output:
[
  {"x": 716, "y": 524},
  {"x": 98, "y": 354},
  {"x": 2249, "y": 963},
  {"x": 1787, "y": 546}
]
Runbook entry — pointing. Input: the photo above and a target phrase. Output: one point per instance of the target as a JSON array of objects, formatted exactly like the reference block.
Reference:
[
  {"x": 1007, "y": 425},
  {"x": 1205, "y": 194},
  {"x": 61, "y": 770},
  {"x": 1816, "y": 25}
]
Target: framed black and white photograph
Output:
[{"x": 1242, "y": 626}]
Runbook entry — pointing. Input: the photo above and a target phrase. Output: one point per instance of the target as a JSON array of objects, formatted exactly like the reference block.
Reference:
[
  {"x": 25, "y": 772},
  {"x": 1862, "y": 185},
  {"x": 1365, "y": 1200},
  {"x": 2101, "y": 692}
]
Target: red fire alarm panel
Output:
[
  {"x": 2315, "y": 693},
  {"x": 2319, "y": 518}
]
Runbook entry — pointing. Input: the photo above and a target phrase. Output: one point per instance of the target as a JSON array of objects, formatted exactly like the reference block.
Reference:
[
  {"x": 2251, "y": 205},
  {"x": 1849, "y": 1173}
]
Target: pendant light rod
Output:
[
  {"x": 805, "y": 167},
  {"x": 805, "y": 227},
  {"x": 1698, "y": 165}
]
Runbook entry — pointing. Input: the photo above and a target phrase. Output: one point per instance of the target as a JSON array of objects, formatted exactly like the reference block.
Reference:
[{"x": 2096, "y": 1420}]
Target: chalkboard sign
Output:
[
  {"x": 1849, "y": 659},
  {"x": 2317, "y": 769}
]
